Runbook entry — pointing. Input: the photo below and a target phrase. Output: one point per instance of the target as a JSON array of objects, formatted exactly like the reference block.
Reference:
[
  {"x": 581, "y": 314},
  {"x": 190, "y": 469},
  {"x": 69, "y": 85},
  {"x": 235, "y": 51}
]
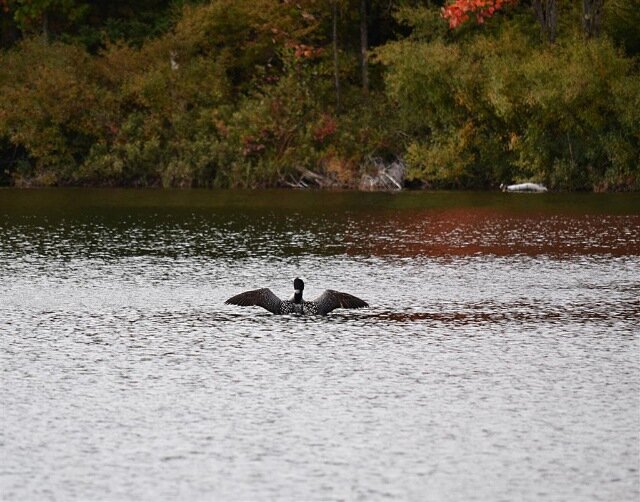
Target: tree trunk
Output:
[
  {"x": 9, "y": 33},
  {"x": 364, "y": 43},
  {"x": 547, "y": 13},
  {"x": 336, "y": 70},
  {"x": 591, "y": 17},
  {"x": 45, "y": 26}
]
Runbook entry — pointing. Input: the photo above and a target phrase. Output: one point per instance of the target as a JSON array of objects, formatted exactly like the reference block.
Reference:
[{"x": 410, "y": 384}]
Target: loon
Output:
[{"x": 325, "y": 303}]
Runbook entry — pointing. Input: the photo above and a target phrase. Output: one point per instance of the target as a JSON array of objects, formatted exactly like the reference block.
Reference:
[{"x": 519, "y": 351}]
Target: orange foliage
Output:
[
  {"x": 327, "y": 127},
  {"x": 460, "y": 11},
  {"x": 303, "y": 51}
]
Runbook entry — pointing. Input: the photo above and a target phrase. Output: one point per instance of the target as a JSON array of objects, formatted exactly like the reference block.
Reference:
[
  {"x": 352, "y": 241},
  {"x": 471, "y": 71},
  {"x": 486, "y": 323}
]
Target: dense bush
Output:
[
  {"x": 224, "y": 99},
  {"x": 49, "y": 107},
  {"x": 498, "y": 107}
]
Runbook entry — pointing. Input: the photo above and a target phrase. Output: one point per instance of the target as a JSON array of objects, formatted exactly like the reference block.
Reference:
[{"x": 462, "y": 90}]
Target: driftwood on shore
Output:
[
  {"x": 309, "y": 179},
  {"x": 383, "y": 177}
]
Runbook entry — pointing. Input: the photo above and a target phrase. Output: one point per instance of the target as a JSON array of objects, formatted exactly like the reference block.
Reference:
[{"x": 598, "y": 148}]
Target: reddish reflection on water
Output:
[{"x": 469, "y": 231}]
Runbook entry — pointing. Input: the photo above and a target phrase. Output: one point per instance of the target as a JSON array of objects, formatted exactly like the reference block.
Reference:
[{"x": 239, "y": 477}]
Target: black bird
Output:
[{"x": 325, "y": 303}]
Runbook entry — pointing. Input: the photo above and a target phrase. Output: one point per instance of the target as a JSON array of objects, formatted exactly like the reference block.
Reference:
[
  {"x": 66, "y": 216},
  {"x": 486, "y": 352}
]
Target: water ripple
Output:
[{"x": 498, "y": 360}]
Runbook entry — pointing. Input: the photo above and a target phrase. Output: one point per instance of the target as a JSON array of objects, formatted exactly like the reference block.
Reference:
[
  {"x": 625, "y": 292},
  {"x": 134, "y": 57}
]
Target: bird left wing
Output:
[
  {"x": 263, "y": 297},
  {"x": 330, "y": 300}
]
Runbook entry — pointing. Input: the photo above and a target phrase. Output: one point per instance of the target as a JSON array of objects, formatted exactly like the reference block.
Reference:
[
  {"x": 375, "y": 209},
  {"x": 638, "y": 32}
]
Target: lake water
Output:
[{"x": 499, "y": 360}]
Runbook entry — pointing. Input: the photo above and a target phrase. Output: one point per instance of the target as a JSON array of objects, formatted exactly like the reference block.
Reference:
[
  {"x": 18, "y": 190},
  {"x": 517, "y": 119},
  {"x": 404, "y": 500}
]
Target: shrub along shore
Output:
[{"x": 277, "y": 93}]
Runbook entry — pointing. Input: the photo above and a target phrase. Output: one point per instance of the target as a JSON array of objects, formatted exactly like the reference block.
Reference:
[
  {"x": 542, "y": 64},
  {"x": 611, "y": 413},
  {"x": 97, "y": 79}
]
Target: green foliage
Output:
[
  {"x": 86, "y": 23},
  {"x": 224, "y": 99},
  {"x": 578, "y": 132},
  {"x": 47, "y": 106},
  {"x": 242, "y": 94},
  {"x": 284, "y": 129},
  {"x": 622, "y": 24},
  {"x": 35, "y": 15},
  {"x": 493, "y": 108},
  {"x": 425, "y": 24}
]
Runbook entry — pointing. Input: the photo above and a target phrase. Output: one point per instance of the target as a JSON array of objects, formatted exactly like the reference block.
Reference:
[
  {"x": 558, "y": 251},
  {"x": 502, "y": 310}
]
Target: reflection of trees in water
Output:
[{"x": 469, "y": 231}]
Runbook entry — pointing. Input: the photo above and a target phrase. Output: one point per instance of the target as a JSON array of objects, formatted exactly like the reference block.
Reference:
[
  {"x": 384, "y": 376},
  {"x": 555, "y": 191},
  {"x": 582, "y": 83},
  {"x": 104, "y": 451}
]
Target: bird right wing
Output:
[
  {"x": 330, "y": 300},
  {"x": 264, "y": 298}
]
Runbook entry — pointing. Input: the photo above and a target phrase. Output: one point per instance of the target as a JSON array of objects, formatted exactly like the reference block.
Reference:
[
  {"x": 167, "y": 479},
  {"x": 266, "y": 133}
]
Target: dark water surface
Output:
[{"x": 500, "y": 358}]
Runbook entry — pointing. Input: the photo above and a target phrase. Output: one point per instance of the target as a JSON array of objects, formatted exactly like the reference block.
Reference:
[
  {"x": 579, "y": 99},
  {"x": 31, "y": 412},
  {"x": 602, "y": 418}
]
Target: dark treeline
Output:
[{"x": 235, "y": 93}]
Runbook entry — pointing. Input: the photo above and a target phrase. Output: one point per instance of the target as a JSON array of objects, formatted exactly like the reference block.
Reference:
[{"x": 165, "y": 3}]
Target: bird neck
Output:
[{"x": 297, "y": 297}]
